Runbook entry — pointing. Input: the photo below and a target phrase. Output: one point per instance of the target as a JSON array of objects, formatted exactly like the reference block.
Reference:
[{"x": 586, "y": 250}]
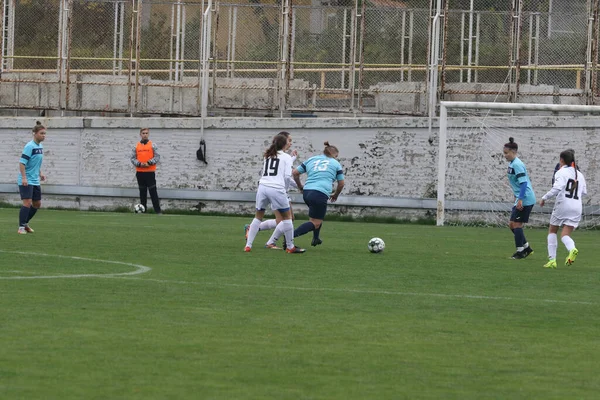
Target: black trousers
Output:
[{"x": 147, "y": 183}]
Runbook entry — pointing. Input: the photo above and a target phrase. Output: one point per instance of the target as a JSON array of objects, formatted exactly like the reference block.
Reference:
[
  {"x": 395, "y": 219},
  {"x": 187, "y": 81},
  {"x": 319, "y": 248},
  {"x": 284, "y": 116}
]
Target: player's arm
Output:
[
  {"x": 23, "y": 161},
  {"x": 133, "y": 157},
  {"x": 23, "y": 173},
  {"x": 296, "y": 177},
  {"x": 156, "y": 158},
  {"x": 559, "y": 184},
  {"x": 338, "y": 190},
  {"x": 521, "y": 176},
  {"x": 340, "y": 185}
]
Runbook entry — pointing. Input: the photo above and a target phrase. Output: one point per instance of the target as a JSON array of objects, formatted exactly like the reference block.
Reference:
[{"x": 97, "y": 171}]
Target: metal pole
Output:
[
  {"x": 116, "y": 37},
  {"x": 441, "y": 183},
  {"x": 433, "y": 63},
  {"x": 177, "y": 39},
  {"x": 411, "y": 30},
  {"x": 344, "y": 40},
  {"x": 530, "y": 48},
  {"x": 171, "y": 55},
  {"x": 353, "y": 33},
  {"x": 470, "y": 55},
  {"x": 233, "y": 40},
  {"x": 361, "y": 56},
  {"x": 549, "y": 18},
  {"x": 462, "y": 45},
  {"x": 402, "y": 40},
  {"x": 138, "y": 44},
  {"x": 229, "y": 39},
  {"x": 68, "y": 48},
  {"x": 477, "y": 36},
  {"x": 536, "y": 52}
]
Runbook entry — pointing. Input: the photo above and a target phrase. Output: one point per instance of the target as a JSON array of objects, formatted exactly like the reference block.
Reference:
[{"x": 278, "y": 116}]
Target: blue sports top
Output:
[
  {"x": 517, "y": 174},
  {"x": 33, "y": 154},
  {"x": 321, "y": 172}
]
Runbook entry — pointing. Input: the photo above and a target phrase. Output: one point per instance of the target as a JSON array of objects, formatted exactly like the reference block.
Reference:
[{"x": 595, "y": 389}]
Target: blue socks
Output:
[
  {"x": 519, "y": 237},
  {"x": 24, "y": 215},
  {"x": 304, "y": 229},
  {"x": 32, "y": 211}
]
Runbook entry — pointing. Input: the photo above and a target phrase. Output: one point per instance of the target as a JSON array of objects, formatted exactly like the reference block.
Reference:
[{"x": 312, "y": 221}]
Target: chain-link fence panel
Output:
[
  {"x": 395, "y": 44},
  {"x": 561, "y": 56},
  {"x": 246, "y": 69},
  {"x": 99, "y": 55},
  {"x": 323, "y": 47},
  {"x": 480, "y": 40},
  {"x": 29, "y": 54}
]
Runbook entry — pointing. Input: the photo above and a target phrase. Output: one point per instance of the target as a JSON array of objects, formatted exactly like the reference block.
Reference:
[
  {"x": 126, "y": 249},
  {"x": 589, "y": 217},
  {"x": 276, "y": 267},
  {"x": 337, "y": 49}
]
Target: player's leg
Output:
[
  {"x": 268, "y": 225},
  {"x": 262, "y": 201},
  {"x": 143, "y": 186},
  {"x": 552, "y": 244},
  {"x": 517, "y": 219},
  {"x": 565, "y": 234},
  {"x": 26, "y": 193},
  {"x": 281, "y": 207},
  {"x": 286, "y": 226},
  {"x": 151, "y": 180},
  {"x": 317, "y": 207},
  {"x": 525, "y": 213},
  {"x": 36, "y": 203}
]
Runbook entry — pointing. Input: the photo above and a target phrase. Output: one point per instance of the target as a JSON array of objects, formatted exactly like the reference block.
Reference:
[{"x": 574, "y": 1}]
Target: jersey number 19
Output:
[{"x": 271, "y": 166}]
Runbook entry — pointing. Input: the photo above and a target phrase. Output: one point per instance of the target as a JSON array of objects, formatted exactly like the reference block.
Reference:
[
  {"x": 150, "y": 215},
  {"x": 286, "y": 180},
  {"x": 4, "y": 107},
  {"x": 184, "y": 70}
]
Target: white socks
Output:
[
  {"x": 568, "y": 242},
  {"x": 267, "y": 225},
  {"x": 252, "y": 231},
  {"x": 285, "y": 227},
  {"x": 552, "y": 245}
]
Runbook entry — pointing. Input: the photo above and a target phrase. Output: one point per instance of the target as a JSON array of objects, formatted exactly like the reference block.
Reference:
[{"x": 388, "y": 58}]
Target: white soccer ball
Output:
[
  {"x": 376, "y": 245},
  {"x": 139, "y": 208}
]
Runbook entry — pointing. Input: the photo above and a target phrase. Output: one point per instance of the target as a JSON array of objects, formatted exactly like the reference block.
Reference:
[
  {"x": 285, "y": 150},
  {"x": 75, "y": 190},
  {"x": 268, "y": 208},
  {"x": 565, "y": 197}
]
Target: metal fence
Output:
[{"x": 294, "y": 56}]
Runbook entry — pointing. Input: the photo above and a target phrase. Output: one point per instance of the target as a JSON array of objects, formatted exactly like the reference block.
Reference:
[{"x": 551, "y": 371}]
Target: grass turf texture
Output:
[{"x": 442, "y": 313}]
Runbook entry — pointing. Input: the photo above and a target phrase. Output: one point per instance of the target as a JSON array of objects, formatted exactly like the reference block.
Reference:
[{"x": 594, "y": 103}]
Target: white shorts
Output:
[
  {"x": 277, "y": 197},
  {"x": 560, "y": 221}
]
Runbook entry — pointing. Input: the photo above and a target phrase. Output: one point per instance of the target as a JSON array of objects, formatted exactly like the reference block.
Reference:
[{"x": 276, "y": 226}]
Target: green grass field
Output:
[{"x": 443, "y": 313}]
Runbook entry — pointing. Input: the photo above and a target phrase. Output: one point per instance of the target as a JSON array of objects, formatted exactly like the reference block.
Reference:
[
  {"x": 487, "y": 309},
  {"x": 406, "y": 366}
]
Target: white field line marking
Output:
[
  {"x": 360, "y": 291},
  {"x": 139, "y": 269}
]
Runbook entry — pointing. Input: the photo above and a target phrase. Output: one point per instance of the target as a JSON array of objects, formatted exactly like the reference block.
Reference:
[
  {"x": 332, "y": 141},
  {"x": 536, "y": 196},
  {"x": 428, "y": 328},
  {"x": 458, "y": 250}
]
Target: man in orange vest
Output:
[{"x": 144, "y": 157}]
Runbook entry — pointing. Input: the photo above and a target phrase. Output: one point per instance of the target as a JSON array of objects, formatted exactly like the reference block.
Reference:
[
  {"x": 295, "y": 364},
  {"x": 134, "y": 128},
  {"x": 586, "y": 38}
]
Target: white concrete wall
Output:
[{"x": 393, "y": 157}]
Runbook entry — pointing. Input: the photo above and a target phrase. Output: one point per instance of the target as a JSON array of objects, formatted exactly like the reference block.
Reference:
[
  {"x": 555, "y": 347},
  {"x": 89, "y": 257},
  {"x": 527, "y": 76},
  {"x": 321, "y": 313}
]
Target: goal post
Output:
[{"x": 471, "y": 179}]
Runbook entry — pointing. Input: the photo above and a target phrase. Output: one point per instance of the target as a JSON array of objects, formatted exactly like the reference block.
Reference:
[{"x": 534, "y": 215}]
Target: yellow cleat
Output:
[
  {"x": 571, "y": 257},
  {"x": 551, "y": 263}
]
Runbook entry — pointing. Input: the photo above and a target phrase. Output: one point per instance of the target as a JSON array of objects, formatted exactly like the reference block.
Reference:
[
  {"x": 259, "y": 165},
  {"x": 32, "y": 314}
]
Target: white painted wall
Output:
[{"x": 381, "y": 156}]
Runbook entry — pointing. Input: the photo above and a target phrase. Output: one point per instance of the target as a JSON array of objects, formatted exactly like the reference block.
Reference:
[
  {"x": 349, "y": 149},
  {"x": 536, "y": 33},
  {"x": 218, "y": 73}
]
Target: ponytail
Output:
[{"x": 278, "y": 143}]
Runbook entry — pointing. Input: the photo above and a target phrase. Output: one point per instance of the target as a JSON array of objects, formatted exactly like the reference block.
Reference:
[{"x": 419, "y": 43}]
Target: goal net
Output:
[{"x": 473, "y": 187}]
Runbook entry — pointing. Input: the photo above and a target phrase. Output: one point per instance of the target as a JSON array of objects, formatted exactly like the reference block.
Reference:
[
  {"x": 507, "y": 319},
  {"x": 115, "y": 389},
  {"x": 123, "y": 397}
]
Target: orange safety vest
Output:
[{"x": 144, "y": 153}]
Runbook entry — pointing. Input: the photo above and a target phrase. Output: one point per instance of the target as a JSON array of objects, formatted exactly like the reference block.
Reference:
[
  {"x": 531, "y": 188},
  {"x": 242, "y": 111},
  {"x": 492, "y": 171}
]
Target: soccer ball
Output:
[
  {"x": 376, "y": 245},
  {"x": 139, "y": 208}
]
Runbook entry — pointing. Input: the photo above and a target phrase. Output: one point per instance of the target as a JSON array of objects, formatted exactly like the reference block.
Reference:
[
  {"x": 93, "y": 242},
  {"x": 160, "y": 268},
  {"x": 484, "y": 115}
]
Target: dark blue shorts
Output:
[
  {"x": 316, "y": 202},
  {"x": 522, "y": 215},
  {"x": 30, "y": 192}
]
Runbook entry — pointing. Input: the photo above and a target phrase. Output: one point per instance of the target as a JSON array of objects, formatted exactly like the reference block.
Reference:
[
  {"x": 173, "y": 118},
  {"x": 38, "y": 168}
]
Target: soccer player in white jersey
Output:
[
  {"x": 277, "y": 170},
  {"x": 270, "y": 224},
  {"x": 568, "y": 188}
]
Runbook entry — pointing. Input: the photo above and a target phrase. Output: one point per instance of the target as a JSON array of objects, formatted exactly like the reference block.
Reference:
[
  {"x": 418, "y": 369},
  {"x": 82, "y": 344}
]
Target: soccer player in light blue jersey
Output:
[
  {"x": 524, "y": 198},
  {"x": 322, "y": 171},
  {"x": 30, "y": 178}
]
